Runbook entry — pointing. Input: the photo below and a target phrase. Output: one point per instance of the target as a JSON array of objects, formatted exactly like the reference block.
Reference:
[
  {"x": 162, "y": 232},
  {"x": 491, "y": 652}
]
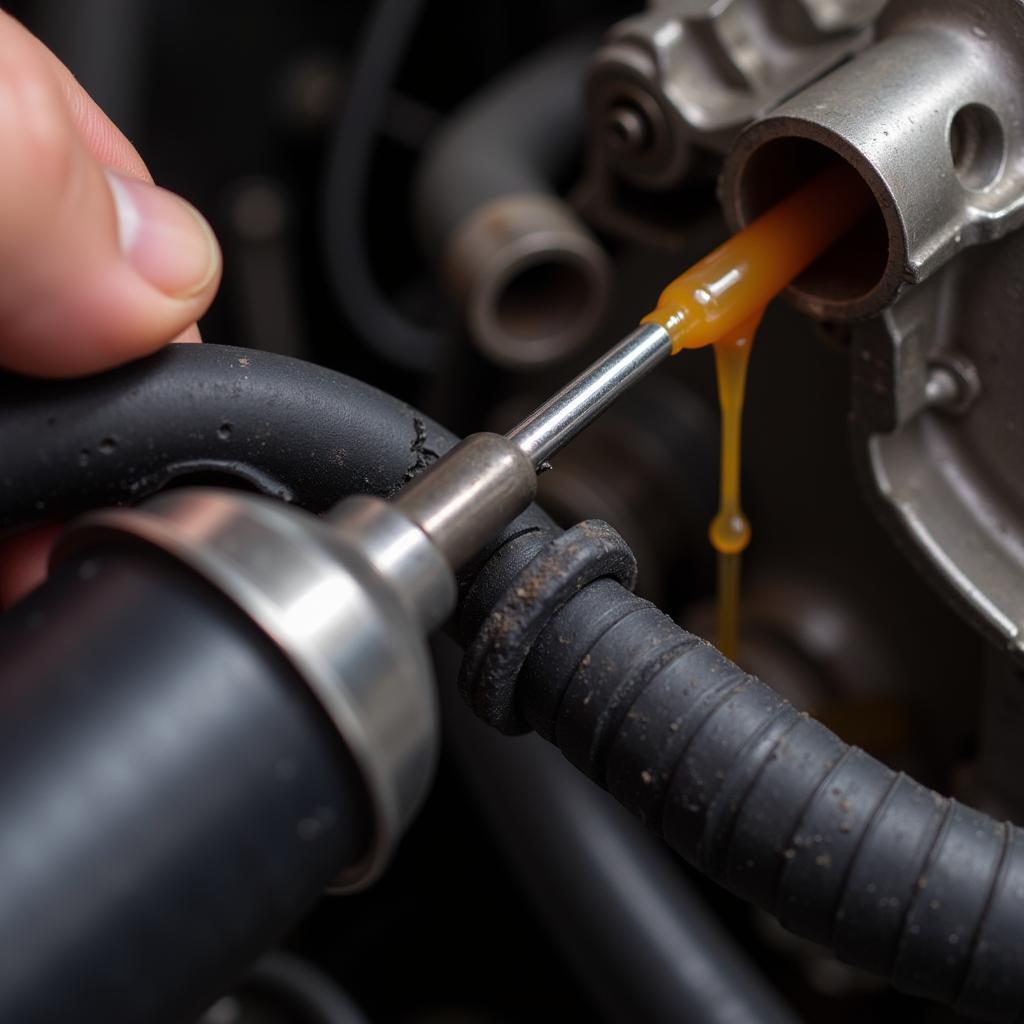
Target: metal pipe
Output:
[
  {"x": 931, "y": 117},
  {"x": 470, "y": 495},
  {"x": 478, "y": 487},
  {"x": 526, "y": 275},
  {"x": 582, "y": 400}
]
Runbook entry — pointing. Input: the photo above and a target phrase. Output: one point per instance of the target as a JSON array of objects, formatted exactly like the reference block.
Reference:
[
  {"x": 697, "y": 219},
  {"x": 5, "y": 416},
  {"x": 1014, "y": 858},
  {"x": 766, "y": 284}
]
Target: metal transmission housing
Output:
[{"x": 932, "y": 116}]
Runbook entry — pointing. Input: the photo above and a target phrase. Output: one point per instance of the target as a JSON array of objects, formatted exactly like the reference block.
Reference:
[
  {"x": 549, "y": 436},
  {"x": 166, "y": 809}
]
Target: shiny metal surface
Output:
[
  {"x": 697, "y": 71},
  {"x": 932, "y": 117},
  {"x": 670, "y": 89},
  {"x": 461, "y": 502},
  {"x": 565, "y": 414},
  {"x": 340, "y": 601},
  {"x": 938, "y": 429},
  {"x": 403, "y": 555}
]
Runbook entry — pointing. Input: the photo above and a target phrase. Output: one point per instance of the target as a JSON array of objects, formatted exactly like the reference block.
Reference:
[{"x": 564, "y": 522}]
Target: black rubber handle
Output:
[{"x": 172, "y": 799}]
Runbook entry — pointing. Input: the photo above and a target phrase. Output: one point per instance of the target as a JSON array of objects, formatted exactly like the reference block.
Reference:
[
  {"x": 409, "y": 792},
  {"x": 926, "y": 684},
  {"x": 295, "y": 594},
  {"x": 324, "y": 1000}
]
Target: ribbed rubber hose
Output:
[
  {"x": 379, "y": 53},
  {"x": 617, "y": 904},
  {"x": 893, "y": 877}
]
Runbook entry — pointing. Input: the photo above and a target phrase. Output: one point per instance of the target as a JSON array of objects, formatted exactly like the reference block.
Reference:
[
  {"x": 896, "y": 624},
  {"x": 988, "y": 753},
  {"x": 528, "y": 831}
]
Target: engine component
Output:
[
  {"x": 676, "y": 84},
  {"x": 630, "y": 698},
  {"x": 299, "y": 433},
  {"x": 931, "y": 116},
  {"x": 937, "y": 400},
  {"x": 595, "y": 733},
  {"x": 529, "y": 280}
]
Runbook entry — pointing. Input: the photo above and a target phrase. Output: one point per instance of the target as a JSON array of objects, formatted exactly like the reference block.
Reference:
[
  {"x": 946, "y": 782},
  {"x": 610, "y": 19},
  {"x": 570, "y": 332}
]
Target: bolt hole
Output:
[
  {"x": 628, "y": 129},
  {"x": 977, "y": 146}
]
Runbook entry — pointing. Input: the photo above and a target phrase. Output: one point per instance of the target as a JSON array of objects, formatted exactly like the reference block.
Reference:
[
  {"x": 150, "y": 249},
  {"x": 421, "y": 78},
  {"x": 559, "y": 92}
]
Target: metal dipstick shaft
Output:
[
  {"x": 487, "y": 480},
  {"x": 581, "y": 401}
]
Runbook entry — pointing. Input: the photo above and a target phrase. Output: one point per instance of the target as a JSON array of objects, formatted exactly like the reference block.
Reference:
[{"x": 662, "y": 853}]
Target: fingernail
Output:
[
  {"x": 189, "y": 336},
  {"x": 166, "y": 239}
]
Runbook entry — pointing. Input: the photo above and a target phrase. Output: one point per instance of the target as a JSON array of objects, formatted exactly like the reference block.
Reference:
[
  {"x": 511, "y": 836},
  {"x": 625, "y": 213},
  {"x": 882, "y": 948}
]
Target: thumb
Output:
[{"x": 96, "y": 267}]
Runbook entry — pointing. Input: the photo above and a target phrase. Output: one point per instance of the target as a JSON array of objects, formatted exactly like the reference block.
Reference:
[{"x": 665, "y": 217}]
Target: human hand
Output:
[{"x": 98, "y": 266}]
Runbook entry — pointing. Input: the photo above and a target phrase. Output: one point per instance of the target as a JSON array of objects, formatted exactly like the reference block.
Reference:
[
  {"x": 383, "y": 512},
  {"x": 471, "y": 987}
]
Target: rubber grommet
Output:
[{"x": 591, "y": 550}]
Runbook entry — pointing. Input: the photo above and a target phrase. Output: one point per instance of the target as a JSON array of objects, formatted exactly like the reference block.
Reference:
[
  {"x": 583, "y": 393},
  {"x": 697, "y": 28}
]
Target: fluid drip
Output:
[
  {"x": 720, "y": 301},
  {"x": 730, "y": 529}
]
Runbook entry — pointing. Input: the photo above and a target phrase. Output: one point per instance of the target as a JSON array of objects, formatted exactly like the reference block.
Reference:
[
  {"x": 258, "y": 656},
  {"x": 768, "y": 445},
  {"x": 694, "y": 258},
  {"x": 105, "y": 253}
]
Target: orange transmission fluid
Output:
[
  {"x": 730, "y": 529},
  {"x": 720, "y": 301}
]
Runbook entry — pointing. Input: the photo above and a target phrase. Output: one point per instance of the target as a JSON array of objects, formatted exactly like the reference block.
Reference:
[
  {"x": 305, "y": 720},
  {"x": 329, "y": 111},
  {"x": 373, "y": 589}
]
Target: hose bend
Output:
[{"x": 527, "y": 276}]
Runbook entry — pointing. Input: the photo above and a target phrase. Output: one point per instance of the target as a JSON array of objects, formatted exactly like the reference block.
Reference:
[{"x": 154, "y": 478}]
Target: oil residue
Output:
[{"x": 720, "y": 301}]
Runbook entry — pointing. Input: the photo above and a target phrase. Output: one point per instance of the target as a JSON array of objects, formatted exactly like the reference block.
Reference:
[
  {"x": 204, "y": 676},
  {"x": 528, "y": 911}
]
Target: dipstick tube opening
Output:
[{"x": 741, "y": 276}]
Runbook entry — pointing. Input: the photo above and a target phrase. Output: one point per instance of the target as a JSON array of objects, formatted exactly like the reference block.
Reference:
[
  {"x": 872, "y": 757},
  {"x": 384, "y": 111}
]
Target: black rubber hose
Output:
[
  {"x": 895, "y": 878},
  {"x": 173, "y": 798},
  {"x": 300, "y": 432},
  {"x": 520, "y": 134},
  {"x": 639, "y": 938},
  {"x": 205, "y": 413},
  {"x": 389, "y": 27}
]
